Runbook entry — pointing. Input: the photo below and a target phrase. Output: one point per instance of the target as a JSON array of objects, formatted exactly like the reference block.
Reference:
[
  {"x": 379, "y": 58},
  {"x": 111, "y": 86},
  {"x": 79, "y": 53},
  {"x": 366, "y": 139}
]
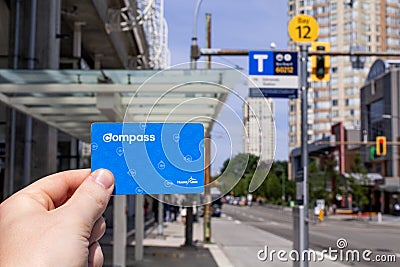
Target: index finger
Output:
[{"x": 54, "y": 190}]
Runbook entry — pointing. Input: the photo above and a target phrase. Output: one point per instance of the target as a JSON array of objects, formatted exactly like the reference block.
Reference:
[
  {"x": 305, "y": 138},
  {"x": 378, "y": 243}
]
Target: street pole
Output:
[
  {"x": 194, "y": 55},
  {"x": 208, "y": 38},
  {"x": 304, "y": 145},
  {"x": 207, "y": 193},
  {"x": 207, "y": 170}
]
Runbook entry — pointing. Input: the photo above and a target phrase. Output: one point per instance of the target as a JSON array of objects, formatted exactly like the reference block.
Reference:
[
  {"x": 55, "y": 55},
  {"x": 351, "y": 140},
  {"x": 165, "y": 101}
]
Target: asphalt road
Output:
[{"x": 257, "y": 221}]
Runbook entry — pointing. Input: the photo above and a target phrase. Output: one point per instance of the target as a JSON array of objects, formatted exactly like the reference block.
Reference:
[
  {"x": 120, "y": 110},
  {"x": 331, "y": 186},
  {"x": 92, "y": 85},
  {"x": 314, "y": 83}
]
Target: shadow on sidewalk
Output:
[
  {"x": 165, "y": 256},
  {"x": 165, "y": 250}
]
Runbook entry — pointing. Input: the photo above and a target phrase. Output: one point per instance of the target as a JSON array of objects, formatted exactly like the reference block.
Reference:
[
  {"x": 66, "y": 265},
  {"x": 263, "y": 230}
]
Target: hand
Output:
[{"x": 56, "y": 221}]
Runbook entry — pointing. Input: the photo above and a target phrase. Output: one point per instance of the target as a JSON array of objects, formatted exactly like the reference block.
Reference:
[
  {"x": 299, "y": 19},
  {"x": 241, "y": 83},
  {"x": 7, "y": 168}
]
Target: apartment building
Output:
[{"x": 358, "y": 25}]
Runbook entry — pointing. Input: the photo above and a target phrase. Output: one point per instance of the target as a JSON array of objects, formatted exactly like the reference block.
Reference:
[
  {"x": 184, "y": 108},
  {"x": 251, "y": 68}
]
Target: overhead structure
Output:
[
  {"x": 149, "y": 16},
  {"x": 156, "y": 28},
  {"x": 70, "y": 100}
]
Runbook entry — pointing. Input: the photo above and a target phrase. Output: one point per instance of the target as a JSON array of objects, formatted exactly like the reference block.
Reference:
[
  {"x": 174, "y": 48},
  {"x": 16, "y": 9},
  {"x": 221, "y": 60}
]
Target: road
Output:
[{"x": 243, "y": 231}]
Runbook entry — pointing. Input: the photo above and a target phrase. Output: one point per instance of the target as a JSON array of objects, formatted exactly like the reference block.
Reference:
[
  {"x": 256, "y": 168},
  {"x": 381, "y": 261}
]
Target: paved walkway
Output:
[
  {"x": 166, "y": 250},
  {"x": 242, "y": 243}
]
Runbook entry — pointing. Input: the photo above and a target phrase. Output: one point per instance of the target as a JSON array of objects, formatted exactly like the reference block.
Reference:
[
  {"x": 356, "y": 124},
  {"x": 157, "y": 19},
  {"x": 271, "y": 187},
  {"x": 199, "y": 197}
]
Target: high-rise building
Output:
[
  {"x": 259, "y": 127},
  {"x": 368, "y": 25}
]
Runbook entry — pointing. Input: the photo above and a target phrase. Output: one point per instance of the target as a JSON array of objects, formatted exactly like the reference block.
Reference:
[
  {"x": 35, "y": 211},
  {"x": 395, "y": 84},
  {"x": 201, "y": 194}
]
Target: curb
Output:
[{"x": 219, "y": 256}]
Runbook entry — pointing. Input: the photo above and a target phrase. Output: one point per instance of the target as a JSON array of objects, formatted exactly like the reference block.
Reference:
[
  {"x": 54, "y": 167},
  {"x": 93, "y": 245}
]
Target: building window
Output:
[{"x": 334, "y": 102}]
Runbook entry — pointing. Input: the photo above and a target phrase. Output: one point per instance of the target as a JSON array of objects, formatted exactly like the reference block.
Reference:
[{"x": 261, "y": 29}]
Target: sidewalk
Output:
[
  {"x": 242, "y": 243},
  {"x": 388, "y": 220},
  {"x": 166, "y": 250}
]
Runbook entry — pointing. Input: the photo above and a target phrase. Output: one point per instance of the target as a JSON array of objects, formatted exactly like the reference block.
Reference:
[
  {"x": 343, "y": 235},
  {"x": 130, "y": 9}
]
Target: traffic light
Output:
[
  {"x": 380, "y": 145},
  {"x": 320, "y": 64},
  {"x": 372, "y": 152}
]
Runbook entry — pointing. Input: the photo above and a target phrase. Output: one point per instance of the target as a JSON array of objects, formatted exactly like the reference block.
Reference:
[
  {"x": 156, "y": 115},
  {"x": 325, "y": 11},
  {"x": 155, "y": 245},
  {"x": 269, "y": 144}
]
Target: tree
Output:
[
  {"x": 358, "y": 183},
  {"x": 273, "y": 187},
  {"x": 238, "y": 172},
  {"x": 316, "y": 183},
  {"x": 245, "y": 165},
  {"x": 338, "y": 186}
]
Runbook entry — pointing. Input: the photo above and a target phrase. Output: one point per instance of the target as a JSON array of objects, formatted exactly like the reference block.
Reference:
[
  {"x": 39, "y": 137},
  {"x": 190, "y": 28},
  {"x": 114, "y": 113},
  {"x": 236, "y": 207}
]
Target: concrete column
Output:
[
  {"x": 139, "y": 227},
  {"x": 44, "y": 149},
  {"x": 48, "y": 25},
  {"x": 9, "y": 140},
  {"x": 160, "y": 218},
  {"x": 74, "y": 161},
  {"x": 119, "y": 231},
  {"x": 44, "y": 138},
  {"x": 14, "y": 152},
  {"x": 4, "y": 31}
]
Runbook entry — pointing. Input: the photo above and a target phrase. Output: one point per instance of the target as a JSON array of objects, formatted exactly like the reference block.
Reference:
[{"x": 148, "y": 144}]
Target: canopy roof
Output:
[{"x": 70, "y": 100}]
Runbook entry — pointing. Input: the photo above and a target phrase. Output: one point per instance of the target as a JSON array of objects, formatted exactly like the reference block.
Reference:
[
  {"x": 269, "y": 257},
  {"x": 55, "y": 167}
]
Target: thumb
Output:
[{"x": 90, "y": 200}]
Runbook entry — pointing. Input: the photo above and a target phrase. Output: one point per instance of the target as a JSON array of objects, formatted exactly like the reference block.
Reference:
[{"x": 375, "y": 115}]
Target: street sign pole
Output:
[
  {"x": 303, "y": 29},
  {"x": 304, "y": 147}
]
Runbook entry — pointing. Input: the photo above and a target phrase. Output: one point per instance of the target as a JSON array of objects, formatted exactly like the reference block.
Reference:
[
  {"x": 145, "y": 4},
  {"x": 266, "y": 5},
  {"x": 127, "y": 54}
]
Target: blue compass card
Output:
[{"x": 151, "y": 158}]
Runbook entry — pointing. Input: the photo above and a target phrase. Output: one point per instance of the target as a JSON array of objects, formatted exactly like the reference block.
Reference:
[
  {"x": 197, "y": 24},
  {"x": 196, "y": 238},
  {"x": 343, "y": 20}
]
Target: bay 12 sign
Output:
[{"x": 273, "y": 74}]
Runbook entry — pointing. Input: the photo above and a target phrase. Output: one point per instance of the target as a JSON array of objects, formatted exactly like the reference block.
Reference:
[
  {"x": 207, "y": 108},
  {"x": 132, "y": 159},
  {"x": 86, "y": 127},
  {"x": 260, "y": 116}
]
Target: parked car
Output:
[
  {"x": 236, "y": 201},
  {"x": 215, "y": 210}
]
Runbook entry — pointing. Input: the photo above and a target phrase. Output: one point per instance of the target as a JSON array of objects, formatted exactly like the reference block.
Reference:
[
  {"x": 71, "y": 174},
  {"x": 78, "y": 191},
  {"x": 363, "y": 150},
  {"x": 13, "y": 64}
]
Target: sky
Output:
[{"x": 251, "y": 25}]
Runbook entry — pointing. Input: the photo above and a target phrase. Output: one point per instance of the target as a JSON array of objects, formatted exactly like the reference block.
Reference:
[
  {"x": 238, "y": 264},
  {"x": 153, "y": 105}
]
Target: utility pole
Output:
[
  {"x": 304, "y": 144},
  {"x": 207, "y": 163}
]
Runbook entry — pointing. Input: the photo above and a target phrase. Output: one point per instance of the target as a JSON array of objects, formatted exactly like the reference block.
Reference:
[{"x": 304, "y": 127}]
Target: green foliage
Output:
[
  {"x": 274, "y": 186},
  {"x": 277, "y": 184},
  {"x": 317, "y": 182},
  {"x": 243, "y": 166},
  {"x": 358, "y": 186}
]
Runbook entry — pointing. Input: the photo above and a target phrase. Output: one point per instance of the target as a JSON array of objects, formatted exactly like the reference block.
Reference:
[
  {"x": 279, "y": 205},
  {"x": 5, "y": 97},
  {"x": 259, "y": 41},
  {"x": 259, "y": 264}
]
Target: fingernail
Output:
[{"x": 103, "y": 177}]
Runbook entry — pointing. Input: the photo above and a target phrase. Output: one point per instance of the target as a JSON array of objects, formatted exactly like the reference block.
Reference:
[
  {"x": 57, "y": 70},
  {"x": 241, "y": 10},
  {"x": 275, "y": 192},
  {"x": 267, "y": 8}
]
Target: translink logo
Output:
[{"x": 191, "y": 180}]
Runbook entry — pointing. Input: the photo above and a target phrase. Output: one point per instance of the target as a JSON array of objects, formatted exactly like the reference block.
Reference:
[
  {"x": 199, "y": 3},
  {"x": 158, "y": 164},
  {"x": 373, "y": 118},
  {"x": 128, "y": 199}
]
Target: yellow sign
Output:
[
  {"x": 321, "y": 215},
  {"x": 303, "y": 28}
]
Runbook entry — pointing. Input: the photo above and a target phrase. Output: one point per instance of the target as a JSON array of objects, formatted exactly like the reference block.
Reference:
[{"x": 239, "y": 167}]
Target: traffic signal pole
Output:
[
  {"x": 245, "y": 52},
  {"x": 303, "y": 233}
]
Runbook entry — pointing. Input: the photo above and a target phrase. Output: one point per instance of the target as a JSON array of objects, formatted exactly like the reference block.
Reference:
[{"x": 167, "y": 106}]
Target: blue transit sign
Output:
[{"x": 275, "y": 73}]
